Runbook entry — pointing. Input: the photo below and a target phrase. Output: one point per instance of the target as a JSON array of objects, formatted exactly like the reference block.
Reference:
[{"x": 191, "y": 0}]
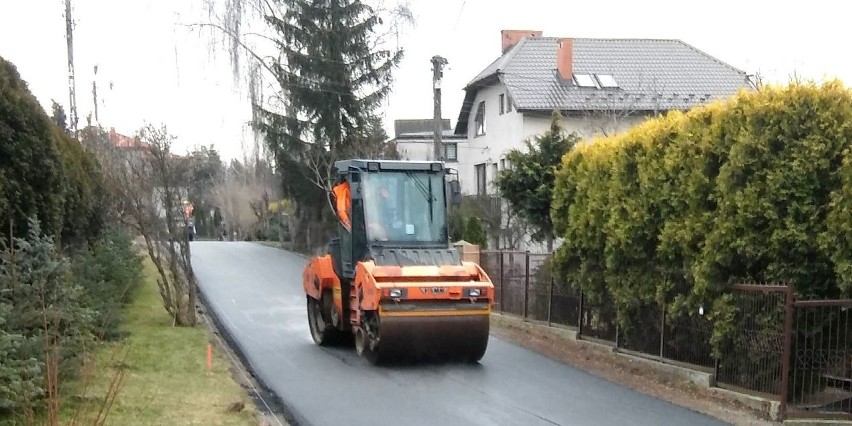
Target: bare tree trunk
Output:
[{"x": 146, "y": 181}]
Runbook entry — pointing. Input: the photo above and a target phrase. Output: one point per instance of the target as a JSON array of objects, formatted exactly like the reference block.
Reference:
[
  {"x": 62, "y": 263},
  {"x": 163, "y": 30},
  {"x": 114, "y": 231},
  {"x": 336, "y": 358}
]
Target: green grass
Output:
[{"x": 167, "y": 380}]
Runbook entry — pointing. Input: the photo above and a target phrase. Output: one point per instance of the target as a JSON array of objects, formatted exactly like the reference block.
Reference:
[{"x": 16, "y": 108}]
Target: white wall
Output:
[
  {"x": 415, "y": 150},
  {"x": 424, "y": 150},
  {"x": 509, "y": 130},
  {"x": 502, "y": 132},
  {"x": 586, "y": 126}
]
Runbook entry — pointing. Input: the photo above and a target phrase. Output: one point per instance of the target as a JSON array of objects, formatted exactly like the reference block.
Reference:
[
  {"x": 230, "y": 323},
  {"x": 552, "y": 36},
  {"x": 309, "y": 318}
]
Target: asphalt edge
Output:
[{"x": 278, "y": 405}]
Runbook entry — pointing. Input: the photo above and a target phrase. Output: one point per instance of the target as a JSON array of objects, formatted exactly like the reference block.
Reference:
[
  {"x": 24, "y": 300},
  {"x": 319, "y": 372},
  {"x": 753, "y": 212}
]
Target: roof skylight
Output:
[
  {"x": 584, "y": 80},
  {"x": 606, "y": 80}
]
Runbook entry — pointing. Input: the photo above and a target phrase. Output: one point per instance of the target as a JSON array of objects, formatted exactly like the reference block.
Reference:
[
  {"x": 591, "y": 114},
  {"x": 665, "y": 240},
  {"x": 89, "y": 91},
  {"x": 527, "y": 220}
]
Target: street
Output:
[{"x": 257, "y": 294}]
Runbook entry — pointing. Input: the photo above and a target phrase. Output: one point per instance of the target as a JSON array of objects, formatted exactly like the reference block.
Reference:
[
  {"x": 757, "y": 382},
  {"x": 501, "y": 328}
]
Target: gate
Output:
[
  {"x": 821, "y": 371},
  {"x": 755, "y": 355}
]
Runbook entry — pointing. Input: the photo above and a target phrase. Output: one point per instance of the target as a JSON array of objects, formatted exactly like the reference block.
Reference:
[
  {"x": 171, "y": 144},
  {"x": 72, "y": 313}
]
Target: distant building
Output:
[
  {"x": 415, "y": 140},
  {"x": 125, "y": 142}
]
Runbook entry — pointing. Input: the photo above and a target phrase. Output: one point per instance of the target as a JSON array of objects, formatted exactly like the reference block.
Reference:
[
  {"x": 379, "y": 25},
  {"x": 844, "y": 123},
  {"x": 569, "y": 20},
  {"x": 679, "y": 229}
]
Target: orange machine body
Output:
[{"x": 402, "y": 290}]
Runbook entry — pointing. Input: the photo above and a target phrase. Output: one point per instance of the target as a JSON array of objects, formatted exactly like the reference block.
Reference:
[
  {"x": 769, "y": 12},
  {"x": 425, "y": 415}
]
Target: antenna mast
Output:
[{"x": 72, "y": 85}]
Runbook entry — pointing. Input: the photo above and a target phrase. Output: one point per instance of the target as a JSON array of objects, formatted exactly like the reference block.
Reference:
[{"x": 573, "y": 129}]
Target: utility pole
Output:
[
  {"x": 69, "y": 29},
  {"x": 437, "y": 74}
]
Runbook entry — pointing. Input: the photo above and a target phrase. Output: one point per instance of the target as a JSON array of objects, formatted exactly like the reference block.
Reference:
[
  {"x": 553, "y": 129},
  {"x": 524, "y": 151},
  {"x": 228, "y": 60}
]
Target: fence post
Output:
[
  {"x": 550, "y": 297},
  {"x": 502, "y": 289},
  {"x": 788, "y": 343},
  {"x": 617, "y": 332},
  {"x": 526, "y": 284},
  {"x": 662, "y": 331},
  {"x": 716, "y": 370},
  {"x": 580, "y": 315}
]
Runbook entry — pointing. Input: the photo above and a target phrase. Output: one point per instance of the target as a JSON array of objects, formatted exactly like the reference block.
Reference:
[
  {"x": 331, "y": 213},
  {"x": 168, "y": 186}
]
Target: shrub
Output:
[
  {"x": 755, "y": 188},
  {"x": 47, "y": 321},
  {"x": 30, "y": 163},
  {"x": 474, "y": 233},
  {"x": 44, "y": 173},
  {"x": 109, "y": 272}
]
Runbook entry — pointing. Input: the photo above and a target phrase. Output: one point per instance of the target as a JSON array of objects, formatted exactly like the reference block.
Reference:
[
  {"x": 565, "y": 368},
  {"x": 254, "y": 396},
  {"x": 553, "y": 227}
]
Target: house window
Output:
[
  {"x": 480, "y": 119},
  {"x": 508, "y": 103},
  {"x": 494, "y": 174},
  {"x": 480, "y": 178},
  {"x": 503, "y": 164},
  {"x": 606, "y": 80},
  {"x": 502, "y": 104},
  {"x": 584, "y": 80},
  {"x": 450, "y": 151}
]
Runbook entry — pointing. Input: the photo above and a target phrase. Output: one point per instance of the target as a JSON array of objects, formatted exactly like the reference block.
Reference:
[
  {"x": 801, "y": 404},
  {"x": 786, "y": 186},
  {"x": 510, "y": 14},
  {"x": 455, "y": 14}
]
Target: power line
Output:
[{"x": 458, "y": 17}]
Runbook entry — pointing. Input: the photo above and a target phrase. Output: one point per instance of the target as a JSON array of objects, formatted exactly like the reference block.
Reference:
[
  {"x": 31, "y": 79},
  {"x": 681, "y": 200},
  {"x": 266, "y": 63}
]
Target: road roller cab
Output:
[{"x": 391, "y": 280}]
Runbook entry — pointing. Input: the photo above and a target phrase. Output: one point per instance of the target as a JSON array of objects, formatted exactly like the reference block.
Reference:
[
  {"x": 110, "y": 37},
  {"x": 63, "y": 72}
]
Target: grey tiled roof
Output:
[
  {"x": 417, "y": 125},
  {"x": 652, "y": 75},
  {"x": 447, "y": 133}
]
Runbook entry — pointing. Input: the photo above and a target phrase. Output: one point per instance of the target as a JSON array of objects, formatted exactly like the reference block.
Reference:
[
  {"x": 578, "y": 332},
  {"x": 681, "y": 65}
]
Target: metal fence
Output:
[
  {"x": 820, "y": 383},
  {"x": 752, "y": 354},
  {"x": 525, "y": 286},
  {"x": 798, "y": 352}
]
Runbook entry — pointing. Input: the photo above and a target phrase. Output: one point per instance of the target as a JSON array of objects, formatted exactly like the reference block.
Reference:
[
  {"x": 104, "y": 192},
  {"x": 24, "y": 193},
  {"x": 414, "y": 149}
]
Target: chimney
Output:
[
  {"x": 509, "y": 38},
  {"x": 565, "y": 58}
]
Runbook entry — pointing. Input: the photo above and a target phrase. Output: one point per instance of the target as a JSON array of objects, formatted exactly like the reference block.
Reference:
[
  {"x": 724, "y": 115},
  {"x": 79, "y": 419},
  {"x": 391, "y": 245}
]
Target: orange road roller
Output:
[{"x": 390, "y": 281}]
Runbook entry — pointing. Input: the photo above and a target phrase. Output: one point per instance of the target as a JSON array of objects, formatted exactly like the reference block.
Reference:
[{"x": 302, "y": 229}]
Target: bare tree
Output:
[
  {"x": 147, "y": 182},
  {"x": 610, "y": 111},
  {"x": 513, "y": 231},
  {"x": 234, "y": 195}
]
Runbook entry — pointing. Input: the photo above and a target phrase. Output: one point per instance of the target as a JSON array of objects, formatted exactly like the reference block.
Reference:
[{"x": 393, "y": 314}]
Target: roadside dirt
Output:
[{"x": 556, "y": 344}]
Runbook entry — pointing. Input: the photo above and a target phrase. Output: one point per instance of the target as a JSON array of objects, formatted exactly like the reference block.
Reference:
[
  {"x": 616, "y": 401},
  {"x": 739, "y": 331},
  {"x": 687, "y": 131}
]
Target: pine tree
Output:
[
  {"x": 44, "y": 320},
  {"x": 332, "y": 78},
  {"x": 528, "y": 186},
  {"x": 58, "y": 116}
]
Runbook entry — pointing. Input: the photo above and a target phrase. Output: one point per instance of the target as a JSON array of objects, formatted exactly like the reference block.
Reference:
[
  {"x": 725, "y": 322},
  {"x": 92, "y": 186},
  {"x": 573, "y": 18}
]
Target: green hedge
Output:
[
  {"x": 52, "y": 191},
  {"x": 44, "y": 173},
  {"x": 755, "y": 188},
  {"x": 30, "y": 162}
]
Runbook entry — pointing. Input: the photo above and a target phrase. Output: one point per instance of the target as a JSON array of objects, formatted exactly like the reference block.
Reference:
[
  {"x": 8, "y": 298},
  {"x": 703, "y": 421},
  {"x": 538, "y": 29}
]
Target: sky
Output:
[{"x": 153, "y": 68}]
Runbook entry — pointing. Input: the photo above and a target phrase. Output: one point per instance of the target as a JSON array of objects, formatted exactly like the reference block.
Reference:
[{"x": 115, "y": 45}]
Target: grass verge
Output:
[{"x": 167, "y": 380}]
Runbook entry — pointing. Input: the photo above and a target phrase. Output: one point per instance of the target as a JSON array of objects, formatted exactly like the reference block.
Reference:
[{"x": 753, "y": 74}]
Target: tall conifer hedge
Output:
[{"x": 755, "y": 188}]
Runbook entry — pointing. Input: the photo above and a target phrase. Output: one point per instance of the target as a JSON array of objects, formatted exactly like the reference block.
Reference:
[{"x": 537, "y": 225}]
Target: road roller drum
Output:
[{"x": 426, "y": 338}]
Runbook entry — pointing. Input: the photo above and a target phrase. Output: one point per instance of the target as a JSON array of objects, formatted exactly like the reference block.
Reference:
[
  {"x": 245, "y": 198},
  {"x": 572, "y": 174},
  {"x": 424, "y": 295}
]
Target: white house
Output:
[
  {"x": 415, "y": 140},
  {"x": 599, "y": 85}
]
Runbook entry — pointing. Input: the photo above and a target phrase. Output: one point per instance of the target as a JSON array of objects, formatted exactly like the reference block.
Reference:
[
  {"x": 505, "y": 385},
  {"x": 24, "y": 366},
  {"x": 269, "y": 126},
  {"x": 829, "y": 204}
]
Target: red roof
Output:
[{"x": 125, "y": 142}]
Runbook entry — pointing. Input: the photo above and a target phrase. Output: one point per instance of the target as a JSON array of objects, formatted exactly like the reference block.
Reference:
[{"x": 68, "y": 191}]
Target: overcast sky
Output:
[{"x": 162, "y": 72}]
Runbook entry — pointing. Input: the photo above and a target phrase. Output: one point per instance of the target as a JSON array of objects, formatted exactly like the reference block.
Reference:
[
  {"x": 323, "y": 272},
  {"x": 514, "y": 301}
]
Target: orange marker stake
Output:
[{"x": 209, "y": 357}]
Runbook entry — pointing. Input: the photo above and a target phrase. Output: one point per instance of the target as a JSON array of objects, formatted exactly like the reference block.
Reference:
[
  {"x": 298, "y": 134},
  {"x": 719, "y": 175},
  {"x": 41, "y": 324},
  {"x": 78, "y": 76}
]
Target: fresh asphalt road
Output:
[{"x": 256, "y": 292}]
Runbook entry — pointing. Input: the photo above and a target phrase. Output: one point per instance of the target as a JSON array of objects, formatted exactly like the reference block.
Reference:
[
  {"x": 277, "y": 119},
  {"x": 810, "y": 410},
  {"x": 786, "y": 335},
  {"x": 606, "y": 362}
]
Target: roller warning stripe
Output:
[
  {"x": 424, "y": 271},
  {"x": 386, "y": 313},
  {"x": 416, "y": 284}
]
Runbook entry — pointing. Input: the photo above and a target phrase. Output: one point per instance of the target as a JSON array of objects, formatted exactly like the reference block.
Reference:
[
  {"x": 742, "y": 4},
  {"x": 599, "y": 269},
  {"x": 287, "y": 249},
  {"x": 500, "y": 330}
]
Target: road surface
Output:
[{"x": 257, "y": 294}]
